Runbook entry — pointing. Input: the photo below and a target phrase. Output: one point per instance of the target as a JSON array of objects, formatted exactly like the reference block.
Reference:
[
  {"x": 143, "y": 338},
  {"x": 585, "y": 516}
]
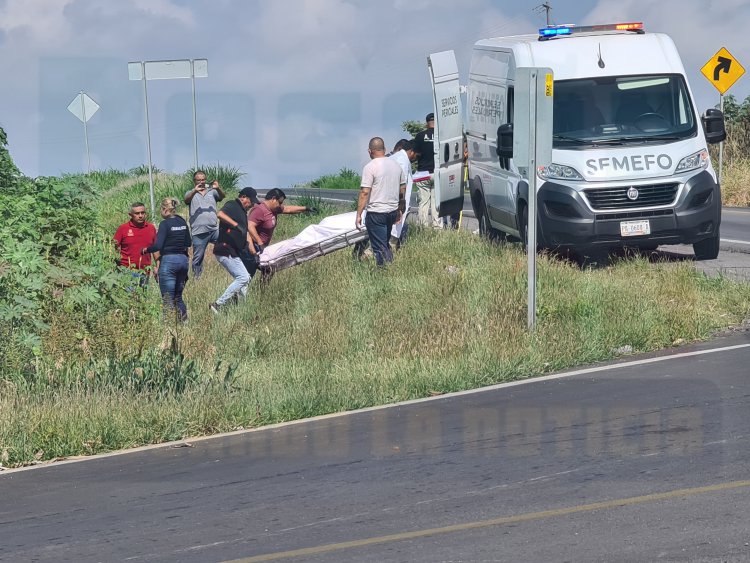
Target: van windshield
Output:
[{"x": 622, "y": 110}]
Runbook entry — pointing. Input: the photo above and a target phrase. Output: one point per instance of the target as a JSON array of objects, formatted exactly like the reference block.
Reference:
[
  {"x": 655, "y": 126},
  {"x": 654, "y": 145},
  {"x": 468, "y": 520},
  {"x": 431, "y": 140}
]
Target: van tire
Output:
[
  {"x": 707, "y": 249},
  {"x": 485, "y": 230},
  {"x": 523, "y": 228}
]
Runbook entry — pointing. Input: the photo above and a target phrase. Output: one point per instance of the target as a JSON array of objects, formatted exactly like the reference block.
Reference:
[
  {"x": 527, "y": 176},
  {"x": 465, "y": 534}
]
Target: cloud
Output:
[{"x": 39, "y": 22}]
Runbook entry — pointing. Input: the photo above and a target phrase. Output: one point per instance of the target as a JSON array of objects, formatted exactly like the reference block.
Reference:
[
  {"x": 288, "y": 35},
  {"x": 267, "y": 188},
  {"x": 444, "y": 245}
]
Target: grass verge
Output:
[{"x": 335, "y": 334}]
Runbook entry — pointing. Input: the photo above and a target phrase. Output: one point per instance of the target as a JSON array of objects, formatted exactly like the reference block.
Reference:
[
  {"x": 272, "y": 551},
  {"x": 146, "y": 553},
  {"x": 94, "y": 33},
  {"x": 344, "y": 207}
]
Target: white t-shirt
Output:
[{"x": 384, "y": 176}]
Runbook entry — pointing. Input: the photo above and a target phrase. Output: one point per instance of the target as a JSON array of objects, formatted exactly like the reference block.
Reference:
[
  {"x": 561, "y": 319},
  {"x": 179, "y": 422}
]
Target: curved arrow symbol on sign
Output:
[{"x": 724, "y": 64}]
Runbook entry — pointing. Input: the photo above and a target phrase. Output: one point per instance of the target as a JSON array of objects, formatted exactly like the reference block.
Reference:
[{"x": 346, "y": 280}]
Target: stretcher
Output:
[{"x": 331, "y": 234}]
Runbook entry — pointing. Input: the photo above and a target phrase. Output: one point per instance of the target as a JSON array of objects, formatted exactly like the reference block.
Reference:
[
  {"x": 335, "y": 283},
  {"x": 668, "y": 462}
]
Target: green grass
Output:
[
  {"x": 346, "y": 179},
  {"x": 335, "y": 334}
]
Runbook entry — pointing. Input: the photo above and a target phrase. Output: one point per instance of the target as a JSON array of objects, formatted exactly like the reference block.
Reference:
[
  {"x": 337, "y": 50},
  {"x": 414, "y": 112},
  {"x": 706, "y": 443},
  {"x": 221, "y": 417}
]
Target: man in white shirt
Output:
[
  {"x": 404, "y": 154},
  {"x": 381, "y": 194}
]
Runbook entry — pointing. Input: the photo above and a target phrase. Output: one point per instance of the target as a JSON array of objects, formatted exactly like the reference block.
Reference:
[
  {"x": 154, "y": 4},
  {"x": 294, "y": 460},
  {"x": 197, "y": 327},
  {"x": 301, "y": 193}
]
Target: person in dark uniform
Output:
[
  {"x": 171, "y": 250},
  {"x": 424, "y": 145}
]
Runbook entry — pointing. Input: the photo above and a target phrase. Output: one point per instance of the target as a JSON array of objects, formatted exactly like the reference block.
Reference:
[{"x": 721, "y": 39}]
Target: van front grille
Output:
[{"x": 617, "y": 198}]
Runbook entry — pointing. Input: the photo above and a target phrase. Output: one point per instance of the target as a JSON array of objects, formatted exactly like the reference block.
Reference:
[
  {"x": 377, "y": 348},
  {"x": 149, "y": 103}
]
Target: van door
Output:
[{"x": 449, "y": 133}]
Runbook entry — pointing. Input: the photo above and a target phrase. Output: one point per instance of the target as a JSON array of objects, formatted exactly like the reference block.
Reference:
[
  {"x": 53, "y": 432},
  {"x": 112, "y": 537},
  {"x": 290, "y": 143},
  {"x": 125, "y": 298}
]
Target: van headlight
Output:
[
  {"x": 695, "y": 161},
  {"x": 559, "y": 172}
]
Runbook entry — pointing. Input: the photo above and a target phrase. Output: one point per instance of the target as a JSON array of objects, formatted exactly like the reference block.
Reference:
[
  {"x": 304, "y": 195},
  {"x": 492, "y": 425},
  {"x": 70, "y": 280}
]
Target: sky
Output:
[{"x": 295, "y": 88}]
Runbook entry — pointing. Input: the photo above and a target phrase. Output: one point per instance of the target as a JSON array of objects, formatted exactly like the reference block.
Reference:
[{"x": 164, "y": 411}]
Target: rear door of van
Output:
[{"x": 449, "y": 133}]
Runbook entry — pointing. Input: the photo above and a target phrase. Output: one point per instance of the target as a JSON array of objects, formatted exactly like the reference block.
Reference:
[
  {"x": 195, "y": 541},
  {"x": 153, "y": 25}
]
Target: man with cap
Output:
[
  {"x": 424, "y": 145},
  {"x": 232, "y": 241}
]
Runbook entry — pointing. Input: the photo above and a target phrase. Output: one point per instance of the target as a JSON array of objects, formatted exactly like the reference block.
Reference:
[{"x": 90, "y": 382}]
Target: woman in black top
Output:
[{"x": 172, "y": 243}]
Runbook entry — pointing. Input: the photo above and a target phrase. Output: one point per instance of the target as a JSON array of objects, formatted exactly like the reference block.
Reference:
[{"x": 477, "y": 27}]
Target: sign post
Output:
[
  {"x": 722, "y": 70},
  {"x": 532, "y": 149},
  {"x": 165, "y": 70},
  {"x": 84, "y": 108}
]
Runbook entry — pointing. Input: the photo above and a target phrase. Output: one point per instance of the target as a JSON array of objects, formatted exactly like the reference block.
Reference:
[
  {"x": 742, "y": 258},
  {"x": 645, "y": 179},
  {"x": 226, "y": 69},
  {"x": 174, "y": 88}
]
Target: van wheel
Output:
[
  {"x": 524, "y": 227},
  {"x": 485, "y": 230},
  {"x": 707, "y": 249}
]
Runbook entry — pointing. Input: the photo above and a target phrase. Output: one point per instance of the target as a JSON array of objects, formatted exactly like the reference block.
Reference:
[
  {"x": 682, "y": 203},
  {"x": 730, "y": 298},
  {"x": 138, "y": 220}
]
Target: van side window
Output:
[
  {"x": 509, "y": 105},
  {"x": 505, "y": 162}
]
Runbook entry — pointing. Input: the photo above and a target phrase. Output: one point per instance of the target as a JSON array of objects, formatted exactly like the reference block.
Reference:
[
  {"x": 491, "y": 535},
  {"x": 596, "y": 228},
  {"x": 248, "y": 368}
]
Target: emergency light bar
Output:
[{"x": 558, "y": 30}]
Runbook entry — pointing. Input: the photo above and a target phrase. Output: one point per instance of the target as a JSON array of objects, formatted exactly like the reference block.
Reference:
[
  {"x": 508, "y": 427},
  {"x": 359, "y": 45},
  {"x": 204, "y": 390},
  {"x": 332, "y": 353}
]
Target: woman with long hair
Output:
[{"x": 171, "y": 252}]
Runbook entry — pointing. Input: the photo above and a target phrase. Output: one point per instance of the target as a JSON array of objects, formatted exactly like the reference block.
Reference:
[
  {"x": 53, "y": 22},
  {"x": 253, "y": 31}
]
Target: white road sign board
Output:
[{"x": 83, "y": 107}]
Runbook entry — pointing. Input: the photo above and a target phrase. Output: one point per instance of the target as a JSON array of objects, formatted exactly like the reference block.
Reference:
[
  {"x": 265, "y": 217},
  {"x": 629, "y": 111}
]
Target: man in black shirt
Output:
[
  {"x": 233, "y": 239},
  {"x": 423, "y": 178}
]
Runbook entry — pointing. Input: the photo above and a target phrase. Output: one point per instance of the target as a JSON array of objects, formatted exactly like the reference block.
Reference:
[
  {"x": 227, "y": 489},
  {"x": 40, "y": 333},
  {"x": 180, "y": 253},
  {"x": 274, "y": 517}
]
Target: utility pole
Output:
[{"x": 547, "y": 8}]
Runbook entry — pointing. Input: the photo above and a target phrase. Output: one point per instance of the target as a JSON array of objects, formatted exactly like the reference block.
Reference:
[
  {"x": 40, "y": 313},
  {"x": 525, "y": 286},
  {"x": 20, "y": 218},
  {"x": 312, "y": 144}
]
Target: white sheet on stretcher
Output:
[{"x": 336, "y": 231}]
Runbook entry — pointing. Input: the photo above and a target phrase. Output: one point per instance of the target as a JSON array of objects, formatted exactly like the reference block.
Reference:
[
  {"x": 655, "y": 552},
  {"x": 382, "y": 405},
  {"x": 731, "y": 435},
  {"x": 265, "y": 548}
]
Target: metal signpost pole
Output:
[
  {"x": 721, "y": 145},
  {"x": 195, "y": 117},
  {"x": 83, "y": 107},
  {"x": 532, "y": 150},
  {"x": 148, "y": 143},
  {"x": 531, "y": 223},
  {"x": 85, "y": 132},
  {"x": 167, "y": 70}
]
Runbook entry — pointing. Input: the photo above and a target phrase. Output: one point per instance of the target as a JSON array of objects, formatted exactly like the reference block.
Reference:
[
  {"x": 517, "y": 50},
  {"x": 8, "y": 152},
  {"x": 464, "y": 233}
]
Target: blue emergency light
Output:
[{"x": 569, "y": 29}]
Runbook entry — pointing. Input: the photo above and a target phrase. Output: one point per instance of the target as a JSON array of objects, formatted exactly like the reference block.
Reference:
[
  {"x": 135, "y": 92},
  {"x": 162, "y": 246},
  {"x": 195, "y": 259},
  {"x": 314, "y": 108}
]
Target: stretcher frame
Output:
[{"x": 314, "y": 250}]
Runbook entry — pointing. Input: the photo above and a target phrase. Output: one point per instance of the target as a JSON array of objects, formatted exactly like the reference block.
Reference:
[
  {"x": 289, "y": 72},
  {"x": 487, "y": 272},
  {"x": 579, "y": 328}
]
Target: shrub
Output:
[
  {"x": 228, "y": 176},
  {"x": 9, "y": 174},
  {"x": 346, "y": 179}
]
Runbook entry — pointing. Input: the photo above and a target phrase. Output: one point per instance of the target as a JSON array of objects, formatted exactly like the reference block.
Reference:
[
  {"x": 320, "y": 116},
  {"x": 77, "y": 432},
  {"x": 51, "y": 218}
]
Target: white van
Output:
[{"x": 630, "y": 164}]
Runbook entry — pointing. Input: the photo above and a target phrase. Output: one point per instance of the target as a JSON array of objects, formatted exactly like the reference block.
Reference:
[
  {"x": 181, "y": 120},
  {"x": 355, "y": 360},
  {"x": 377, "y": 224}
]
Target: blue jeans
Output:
[
  {"x": 173, "y": 275},
  {"x": 241, "y": 280},
  {"x": 379, "y": 227},
  {"x": 200, "y": 243}
]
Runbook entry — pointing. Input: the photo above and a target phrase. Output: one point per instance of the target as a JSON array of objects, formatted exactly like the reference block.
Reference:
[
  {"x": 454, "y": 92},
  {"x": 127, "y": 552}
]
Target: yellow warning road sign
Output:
[{"x": 723, "y": 70}]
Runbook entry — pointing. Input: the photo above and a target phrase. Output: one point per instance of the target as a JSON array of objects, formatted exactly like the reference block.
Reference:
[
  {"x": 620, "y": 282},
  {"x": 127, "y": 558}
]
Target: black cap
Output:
[
  {"x": 250, "y": 194},
  {"x": 430, "y": 117}
]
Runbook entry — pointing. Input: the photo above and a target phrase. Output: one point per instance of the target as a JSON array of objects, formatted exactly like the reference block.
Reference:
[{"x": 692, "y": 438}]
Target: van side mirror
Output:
[
  {"x": 505, "y": 140},
  {"x": 713, "y": 126}
]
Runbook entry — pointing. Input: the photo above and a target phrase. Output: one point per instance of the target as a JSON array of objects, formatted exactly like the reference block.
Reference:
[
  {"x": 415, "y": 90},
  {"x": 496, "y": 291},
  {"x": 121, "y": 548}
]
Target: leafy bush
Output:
[
  {"x": 228, "y": 177},
  {"x": 53, "y": 257},
  {"x": 346, "y": 179},
  {"x": 9, "y": 174},
  {"x": 413, "y": 127},
  {"x": 142, "y": 170}
]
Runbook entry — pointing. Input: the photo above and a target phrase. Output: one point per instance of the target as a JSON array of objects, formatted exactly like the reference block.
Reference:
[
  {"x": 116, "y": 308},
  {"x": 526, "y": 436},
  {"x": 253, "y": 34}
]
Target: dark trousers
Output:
[
  {"x": 173, "y": 275},
  {"x": 200, "y": 243},
  {"x": 379, "y": 227}
]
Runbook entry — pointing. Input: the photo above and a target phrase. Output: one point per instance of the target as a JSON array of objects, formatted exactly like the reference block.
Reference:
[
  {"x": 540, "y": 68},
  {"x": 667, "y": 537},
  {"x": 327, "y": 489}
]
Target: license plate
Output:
[{"x": 635, "y": 228}]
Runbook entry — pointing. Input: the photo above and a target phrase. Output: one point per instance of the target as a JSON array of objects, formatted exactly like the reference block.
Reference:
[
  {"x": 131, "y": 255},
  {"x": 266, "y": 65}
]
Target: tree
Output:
[
  {"x": 734, "y": 111},
  {"x": 413, "y": 127},
  {"x": 9, "y": 174}
]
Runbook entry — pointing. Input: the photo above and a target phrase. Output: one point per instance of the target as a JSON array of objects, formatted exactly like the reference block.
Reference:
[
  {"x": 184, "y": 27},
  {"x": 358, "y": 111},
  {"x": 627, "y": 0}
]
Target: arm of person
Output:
[
  {"x": 292, "y": 209},
  {"x": 227, "y": 219},
  {"x": 221, "y": 195},
  {"x": 253, "y": 236},
  {"x": 187, "y": 239},
  {"x": 364, "y": 195},
  {"x": 161, "y": 238},
  {"x": 401, "y": 202},
  {"x": 189, "y": 195}
]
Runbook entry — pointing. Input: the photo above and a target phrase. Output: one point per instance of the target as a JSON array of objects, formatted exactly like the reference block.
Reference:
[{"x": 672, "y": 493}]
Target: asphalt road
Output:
[
  {"x": 629, "y": 462},
  {"x": 735, "y": 228}
]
